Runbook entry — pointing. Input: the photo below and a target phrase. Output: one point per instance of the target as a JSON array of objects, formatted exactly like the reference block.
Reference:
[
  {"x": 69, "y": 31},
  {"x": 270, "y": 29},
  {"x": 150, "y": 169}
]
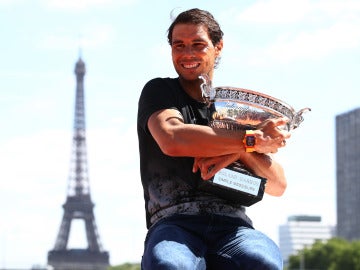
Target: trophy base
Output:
[{"x": 236, "y": 184}]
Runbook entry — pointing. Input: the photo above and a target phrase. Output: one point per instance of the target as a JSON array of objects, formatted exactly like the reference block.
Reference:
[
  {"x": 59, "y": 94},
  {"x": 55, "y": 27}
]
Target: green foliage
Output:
[
  {"x": 126, "y": 266},
  {"x": 334, "y": 254}
]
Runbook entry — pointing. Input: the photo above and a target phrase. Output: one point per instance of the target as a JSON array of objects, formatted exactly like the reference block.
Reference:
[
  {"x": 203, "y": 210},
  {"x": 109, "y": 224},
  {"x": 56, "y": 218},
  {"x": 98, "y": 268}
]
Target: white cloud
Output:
[
  {"x": 307, "y": 45},
  {"x": 34, "y": 166},
  {"x": 10, "y": 2},
  {"x": 301, "y": 30},
  {"x": 80, "y": 5},
  {"x": 98, "y": 36},
  {"x": 93, "y": 36},
  {"x": 347, "y": 10},
  {"x": 284, "y": 12},
  {"x": 161, "y": 59},
  {"x": 275, "y": 11},
  {"x": 54, "y": 41}
]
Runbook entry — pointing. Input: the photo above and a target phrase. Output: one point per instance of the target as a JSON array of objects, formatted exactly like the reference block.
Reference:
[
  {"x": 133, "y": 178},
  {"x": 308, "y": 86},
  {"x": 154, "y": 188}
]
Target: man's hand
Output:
[
  {"x": 270, "y": 135},
  {"x": 211, "y": 165}
]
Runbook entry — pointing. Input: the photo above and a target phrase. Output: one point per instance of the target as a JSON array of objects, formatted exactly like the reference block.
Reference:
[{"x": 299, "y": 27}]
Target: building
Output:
[
  {"x": 78, "y": 203},
  {"x": 300, "y": 232},
  {"x": 348, "y": 174}
]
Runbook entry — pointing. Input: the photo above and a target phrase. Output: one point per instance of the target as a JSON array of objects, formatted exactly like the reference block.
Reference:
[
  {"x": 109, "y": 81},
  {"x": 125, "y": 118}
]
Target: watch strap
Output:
[{"x": 249, "y": 141}]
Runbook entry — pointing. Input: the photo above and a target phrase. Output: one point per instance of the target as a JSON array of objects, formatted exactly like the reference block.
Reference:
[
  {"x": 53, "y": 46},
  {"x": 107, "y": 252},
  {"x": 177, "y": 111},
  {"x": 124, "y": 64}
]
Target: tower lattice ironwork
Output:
[{"x": 78, "y": 203}]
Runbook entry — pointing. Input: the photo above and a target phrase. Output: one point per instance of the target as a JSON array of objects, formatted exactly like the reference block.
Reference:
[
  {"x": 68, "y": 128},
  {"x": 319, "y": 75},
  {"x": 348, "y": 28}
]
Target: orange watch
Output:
[{"x": 249, "y": 141}]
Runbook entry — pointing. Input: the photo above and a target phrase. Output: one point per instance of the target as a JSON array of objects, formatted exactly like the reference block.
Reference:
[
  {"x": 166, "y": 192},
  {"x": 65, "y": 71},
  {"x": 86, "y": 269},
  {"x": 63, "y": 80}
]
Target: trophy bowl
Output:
[
  {"x": 245, "y": 109},
  {"x": 242, "y": 109}
]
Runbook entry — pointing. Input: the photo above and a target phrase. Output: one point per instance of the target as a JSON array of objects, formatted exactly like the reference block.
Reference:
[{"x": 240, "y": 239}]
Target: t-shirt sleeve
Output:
[{"x": 156, "y": 95}]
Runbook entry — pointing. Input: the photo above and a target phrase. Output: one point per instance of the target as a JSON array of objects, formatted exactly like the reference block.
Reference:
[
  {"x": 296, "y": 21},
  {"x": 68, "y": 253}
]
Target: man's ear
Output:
[{"x": 218, "y": 47}]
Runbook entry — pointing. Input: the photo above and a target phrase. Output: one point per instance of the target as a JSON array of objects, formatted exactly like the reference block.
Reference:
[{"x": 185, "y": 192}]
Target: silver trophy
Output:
[{"x": 242, "y": 109}]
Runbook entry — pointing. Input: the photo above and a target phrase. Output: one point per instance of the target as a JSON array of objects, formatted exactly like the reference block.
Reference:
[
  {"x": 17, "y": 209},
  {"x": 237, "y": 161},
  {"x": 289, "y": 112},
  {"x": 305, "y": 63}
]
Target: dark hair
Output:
[{"x": 198, "y": 16}]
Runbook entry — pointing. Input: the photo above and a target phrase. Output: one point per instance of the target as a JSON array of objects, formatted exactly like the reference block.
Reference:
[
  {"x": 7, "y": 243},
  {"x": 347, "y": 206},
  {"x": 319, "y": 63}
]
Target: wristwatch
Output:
[{"x": 249, "y": 141}]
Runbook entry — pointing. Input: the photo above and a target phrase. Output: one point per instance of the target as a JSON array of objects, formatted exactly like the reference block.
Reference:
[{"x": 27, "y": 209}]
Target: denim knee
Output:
[
  {"x": 170, "y": 255},
  {"x": 264, "y": 261}
]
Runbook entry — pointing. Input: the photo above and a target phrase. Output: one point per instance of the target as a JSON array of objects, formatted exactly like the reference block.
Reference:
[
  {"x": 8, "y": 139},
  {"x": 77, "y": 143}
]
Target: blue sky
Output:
[{"x": 304, "y": 52}]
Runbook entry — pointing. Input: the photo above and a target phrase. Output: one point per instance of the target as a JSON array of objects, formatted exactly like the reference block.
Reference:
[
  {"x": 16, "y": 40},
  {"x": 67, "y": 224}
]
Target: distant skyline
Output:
[
  {"x": 348, "y": 184},
  {"x": 305, "y": 52}
]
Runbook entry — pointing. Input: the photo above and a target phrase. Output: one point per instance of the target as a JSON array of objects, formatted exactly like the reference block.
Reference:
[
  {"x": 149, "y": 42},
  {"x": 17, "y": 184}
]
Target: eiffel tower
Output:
[{"x": 78, "y": 203}]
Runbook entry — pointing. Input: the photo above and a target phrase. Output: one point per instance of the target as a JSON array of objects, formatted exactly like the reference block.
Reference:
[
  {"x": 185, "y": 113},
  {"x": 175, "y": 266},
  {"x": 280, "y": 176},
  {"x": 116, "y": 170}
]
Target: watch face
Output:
[{"x": 250, "y": 141}]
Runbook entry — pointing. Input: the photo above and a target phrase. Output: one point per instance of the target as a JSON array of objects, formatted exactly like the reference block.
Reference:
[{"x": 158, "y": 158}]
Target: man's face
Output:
[{"x": 192, "y": 51}]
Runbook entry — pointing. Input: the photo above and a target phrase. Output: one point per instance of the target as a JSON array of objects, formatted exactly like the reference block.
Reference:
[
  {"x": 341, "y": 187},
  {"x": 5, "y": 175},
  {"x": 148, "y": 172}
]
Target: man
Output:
[{"x": 188, "y": 228}]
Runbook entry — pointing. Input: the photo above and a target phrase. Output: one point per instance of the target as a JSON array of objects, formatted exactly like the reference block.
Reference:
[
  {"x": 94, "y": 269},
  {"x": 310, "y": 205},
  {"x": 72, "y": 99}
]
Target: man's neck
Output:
[{"x": 192, "y": 88}]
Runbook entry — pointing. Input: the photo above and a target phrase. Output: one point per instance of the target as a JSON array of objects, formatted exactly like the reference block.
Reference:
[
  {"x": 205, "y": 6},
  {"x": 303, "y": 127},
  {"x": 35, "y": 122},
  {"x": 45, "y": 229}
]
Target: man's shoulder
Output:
[
  {"x": 161, "y": 85},
  {"x": 161, "y": 81}
]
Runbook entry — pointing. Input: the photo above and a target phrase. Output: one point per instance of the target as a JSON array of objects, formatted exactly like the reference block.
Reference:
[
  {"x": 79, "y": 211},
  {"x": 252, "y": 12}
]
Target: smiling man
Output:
[{"x": 189, "y": 228}]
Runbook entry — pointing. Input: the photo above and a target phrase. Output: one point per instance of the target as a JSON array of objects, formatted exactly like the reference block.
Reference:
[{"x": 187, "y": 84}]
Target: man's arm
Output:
[
  {"x": 175, "y": 138},
  {"x": 261, "y": 164},
  {"x": 265, "y": 166},
  {"x": 178, "y": 139}
]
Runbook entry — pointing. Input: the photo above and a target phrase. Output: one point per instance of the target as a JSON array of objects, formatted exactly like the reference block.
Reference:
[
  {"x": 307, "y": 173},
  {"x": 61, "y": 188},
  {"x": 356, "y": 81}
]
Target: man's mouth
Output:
[{"x": 190, "y": 66}]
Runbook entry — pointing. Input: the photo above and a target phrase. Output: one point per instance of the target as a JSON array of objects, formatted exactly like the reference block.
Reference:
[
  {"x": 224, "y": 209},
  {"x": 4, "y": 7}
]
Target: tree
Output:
[
  {"x": 126, "y": 266},
  {"x": 334, "y": 254}
]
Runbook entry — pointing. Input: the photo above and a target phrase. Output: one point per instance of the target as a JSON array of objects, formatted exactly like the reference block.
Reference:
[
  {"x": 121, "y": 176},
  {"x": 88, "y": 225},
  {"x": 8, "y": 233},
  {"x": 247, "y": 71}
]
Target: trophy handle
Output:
[
  {"x": 207, "y": 91},
  {"x": 298, "y": 118}
]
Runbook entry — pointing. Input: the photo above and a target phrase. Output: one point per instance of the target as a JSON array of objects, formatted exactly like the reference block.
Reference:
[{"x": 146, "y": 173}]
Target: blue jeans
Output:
[{"x": 212, "y": 242}]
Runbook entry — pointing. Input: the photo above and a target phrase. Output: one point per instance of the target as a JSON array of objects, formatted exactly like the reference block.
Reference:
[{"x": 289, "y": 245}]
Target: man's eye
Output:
[
  {"x": 199, "y": 46},
  {"x": 178, "y": 47}
]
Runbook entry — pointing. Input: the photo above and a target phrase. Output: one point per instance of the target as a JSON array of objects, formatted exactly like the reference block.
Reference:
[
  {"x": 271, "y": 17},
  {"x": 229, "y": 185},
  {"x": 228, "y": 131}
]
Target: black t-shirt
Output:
[{"x": 170, "y": 186}]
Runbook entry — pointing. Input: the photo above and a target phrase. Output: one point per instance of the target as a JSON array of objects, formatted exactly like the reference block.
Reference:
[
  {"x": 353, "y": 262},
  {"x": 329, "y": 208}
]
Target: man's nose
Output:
[{"x": 189, "y": 50}]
